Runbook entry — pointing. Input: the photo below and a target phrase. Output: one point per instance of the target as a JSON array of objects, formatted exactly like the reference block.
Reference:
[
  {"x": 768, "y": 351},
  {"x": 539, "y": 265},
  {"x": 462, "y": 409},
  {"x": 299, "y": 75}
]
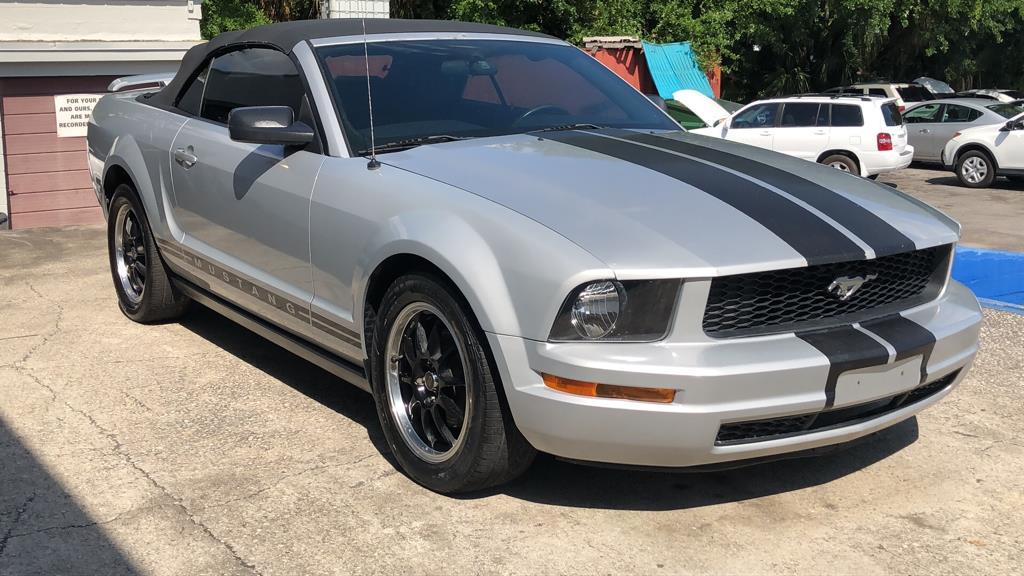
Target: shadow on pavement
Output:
[
  {"x": 302, "y": 376},
  {"x": 42, "y": 529},
  {"x": 555, "y": 482},
  {"x": 998, "y": 184}
]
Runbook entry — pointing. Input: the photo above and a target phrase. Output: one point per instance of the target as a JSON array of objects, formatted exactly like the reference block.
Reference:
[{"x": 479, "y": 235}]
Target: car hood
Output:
[
  {"x": 703, "y": 107},
  {"x": 676, "y": 204}
]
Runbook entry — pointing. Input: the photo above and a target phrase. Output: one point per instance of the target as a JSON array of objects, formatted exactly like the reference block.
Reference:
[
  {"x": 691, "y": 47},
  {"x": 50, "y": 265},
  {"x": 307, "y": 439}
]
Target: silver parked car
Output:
[
  {"x": 931, "y": 124},
  {"x": 514, "y": 250}
]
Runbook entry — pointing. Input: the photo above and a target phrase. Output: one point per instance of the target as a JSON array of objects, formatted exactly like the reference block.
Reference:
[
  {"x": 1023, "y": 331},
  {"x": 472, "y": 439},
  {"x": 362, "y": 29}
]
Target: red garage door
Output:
[{"x": 47, "y": 176}]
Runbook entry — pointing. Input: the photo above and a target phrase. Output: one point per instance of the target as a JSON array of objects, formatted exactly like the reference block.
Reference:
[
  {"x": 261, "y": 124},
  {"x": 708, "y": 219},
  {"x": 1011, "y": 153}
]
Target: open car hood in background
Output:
[{"x": 705, "y": 108}]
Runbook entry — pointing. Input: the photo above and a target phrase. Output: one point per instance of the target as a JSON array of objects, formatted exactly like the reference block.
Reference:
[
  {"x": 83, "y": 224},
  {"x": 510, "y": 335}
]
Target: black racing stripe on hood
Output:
[
  {"x": 846, "y": 349},
  {"x": 874, "y": 231},
  {"x": 907, "y": 337},
  {"x": 815, "y": 239}
]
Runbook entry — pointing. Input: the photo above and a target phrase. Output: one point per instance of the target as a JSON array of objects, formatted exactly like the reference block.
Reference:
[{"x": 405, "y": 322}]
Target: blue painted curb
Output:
[{"x": 995, "y": 276}]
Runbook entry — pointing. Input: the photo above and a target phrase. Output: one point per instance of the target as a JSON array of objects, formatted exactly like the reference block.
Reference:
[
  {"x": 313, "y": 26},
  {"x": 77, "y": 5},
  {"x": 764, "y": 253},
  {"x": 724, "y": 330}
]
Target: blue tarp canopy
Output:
[{"x": 675, "y": 67}]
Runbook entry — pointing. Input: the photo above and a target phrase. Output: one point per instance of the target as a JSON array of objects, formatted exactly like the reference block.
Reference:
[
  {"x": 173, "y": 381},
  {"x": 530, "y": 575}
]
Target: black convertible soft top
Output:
[{"x": 285, "y": 35}]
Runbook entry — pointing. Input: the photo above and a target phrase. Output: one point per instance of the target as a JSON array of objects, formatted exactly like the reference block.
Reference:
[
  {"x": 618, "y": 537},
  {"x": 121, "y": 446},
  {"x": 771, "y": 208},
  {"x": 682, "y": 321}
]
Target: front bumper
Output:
[{"x": 718, "y": 382}]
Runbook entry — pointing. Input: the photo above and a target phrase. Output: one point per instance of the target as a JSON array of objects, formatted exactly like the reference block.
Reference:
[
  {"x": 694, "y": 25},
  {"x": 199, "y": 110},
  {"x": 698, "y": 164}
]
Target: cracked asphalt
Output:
[{"x": 198, "y": 448}]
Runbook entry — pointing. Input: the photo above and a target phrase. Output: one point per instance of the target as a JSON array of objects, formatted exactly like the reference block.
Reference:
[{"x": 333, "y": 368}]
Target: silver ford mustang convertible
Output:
[{"x": 513, "y": 250}]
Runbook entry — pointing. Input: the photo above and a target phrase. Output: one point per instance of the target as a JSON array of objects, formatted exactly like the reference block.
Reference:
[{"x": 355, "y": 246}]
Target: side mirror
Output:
[
  {"x": 658, "y": 101},
  {"x": 268, "y": 125},
  {"x": 1013, "y": 125}
]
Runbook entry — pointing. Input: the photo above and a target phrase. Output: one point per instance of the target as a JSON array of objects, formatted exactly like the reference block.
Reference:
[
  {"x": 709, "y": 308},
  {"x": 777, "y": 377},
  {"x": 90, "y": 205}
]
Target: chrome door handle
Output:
[
  {"x": 924, "y": 131},
  {"x": 185, "y": 157}
]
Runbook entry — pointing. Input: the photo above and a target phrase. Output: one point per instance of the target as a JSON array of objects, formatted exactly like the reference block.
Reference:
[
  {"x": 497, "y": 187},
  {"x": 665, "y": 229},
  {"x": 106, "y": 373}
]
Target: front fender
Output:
[
  {"x": 140, "y": 138},
  {"x": 513, "y": 272}
]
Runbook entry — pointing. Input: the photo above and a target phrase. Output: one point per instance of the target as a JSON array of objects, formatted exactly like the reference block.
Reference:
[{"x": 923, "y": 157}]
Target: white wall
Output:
[
  {"x": 359, "y": 8},
  {"x": 97, "y": 20}
]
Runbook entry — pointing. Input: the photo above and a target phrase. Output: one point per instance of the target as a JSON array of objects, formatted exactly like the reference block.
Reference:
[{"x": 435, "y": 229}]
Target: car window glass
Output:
[
  {"x": 891, "y": 114},
  {"x": 923, "y": 114},
  {"x": 476, "y": 88},
  {"x": 956, "y": 113},
  {"x": 251, "y": 77},
  {"x": 192, "y": 99},
  {"x": 915, "y": 94},
  {"x": 823, "y": 115},
  {"x": 799, "y": 114},
  {"x": 846, "y": 115},
  {"x": 1006, "y": 110},
  {"x": 758, "y": 116},
  {"x": 877, "y": 92}
]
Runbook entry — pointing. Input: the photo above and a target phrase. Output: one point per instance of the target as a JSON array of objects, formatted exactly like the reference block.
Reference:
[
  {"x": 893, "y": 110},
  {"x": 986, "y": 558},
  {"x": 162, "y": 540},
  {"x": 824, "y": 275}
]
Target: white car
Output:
[
  {"x": 858, "y": 134},
  {"x": 904, "y": 94},
  {"x": 997, "y": 94},
  {"x": 978, "y": 155}
]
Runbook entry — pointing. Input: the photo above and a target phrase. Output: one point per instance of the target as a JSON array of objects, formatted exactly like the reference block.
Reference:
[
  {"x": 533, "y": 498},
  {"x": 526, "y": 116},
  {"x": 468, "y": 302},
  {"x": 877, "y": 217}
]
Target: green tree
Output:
[
  {"x": 224, "y": 15},
  {"x": 765, "y": 47}
]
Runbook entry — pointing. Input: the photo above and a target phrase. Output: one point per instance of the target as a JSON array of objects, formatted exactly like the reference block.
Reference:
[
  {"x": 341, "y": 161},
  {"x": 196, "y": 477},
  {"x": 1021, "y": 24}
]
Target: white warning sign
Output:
[{"x": 73, "y": 111}]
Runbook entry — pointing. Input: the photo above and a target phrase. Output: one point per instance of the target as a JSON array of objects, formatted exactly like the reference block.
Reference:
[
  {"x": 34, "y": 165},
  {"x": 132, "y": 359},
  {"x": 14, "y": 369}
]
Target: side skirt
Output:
[{"x": 347, "y": 371}]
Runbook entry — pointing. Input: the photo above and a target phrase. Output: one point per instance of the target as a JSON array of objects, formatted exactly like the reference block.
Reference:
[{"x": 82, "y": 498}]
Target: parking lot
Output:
[{"x": 198, "y": 448}]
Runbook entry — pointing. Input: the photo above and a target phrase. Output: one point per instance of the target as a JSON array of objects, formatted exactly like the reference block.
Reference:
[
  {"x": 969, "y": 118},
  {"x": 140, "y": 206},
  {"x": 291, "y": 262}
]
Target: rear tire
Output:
[
  {"x": 437, "y": 395},
  {"x": 975, "y": 169},
  {"x": 141, "y": 279},
  {"x": 842, "y": 163}
]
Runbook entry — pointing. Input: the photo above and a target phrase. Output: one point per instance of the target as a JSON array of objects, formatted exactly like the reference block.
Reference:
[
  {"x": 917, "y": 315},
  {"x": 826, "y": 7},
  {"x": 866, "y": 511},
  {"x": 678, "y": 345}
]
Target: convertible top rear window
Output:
[{"x": 475, "y": 88}]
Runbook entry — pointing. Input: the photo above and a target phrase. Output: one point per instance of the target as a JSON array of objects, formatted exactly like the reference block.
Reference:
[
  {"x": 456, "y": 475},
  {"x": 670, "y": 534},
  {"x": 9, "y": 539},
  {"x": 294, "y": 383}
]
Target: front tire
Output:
[
  {"x": 842, "y": 163},
  {"x": 975, "y": 169},
  {"x": 141, "y": 280},
  {"x": 437, "y": 396}
]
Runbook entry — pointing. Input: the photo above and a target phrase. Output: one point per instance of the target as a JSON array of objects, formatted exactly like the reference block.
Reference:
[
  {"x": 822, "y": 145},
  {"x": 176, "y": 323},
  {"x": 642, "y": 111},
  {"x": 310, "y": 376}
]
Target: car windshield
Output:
[
  {"x": 427, "y": 91},
  {"x": 914, "y": 94},
  {"x": 1016, "y": 94},
  {"x": 1006, "y": 110}
]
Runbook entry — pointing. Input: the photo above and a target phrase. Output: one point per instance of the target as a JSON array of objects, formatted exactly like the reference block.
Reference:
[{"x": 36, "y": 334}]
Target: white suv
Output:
[
  {"x": 978, "y": 155},
  {"x": 859, "y": 134}
]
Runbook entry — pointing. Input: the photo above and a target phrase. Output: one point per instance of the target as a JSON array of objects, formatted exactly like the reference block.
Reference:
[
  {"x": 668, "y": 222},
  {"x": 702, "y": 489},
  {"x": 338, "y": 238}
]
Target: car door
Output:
[
  {"x": 1009, "y": 147},
  {"x": 955, "y": 117},
  {"x": 799, "y": 133},
  {"x": 846, "y": 128},
  {"x": 925, "y": 129},
  {"x": 244, "y": 208},
  {"x": 755, "y": 125}
]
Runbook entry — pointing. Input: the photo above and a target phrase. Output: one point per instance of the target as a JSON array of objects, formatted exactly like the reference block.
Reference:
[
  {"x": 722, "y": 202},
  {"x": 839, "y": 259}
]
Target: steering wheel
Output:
[{"x": 538, "y": 109}]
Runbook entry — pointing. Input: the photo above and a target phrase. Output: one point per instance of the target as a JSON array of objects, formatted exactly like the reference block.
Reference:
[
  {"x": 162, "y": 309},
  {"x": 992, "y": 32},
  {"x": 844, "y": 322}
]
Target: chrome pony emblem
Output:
[{"x": 842, "y": 288}]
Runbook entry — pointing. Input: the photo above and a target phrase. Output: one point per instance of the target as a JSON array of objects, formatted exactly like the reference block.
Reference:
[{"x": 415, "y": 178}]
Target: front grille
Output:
[
  {"x": 798, "y": 298},
  {"x": 775, "y": 428}
]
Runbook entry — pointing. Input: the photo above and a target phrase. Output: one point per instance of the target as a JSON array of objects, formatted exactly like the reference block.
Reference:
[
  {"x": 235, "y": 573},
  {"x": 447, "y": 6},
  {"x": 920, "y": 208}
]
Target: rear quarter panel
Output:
[{"x": 136, "y": 137}]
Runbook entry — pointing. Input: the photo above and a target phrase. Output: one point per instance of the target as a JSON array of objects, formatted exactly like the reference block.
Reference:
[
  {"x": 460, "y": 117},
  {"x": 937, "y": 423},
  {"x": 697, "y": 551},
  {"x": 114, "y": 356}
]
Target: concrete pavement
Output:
[
  {"x": 991, "y": 217},
  {"x": 198, "y": 448}
]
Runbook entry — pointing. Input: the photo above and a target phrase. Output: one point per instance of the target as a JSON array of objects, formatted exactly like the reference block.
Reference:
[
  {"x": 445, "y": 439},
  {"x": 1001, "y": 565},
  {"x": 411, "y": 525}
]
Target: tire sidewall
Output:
[
  {"x": 989, "y": 176},
  {"x": 844, "y": 159},
  {"x": 442, "y": 477},
  {"x": 123, "y": 195}
]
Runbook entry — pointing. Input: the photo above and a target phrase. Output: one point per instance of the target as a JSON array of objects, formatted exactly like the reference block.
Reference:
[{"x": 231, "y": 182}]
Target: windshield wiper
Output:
[
  {"x": 564, "y": 127},
  {"x": 414, "y": 142}
]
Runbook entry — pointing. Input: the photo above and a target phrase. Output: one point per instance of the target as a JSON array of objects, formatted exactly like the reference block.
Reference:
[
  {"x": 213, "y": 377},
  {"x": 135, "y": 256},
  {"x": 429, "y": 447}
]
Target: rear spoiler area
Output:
[{"x": 139, "y": 82}]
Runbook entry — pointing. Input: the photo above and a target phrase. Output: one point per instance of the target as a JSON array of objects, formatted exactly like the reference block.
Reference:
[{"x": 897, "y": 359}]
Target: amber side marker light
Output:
[{"x": 594, "y": 390}]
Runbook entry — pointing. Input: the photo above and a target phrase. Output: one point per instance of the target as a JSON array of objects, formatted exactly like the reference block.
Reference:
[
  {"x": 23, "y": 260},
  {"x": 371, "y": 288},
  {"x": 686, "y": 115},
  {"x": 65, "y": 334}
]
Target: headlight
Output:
[{"x": 608, "y": 310}]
